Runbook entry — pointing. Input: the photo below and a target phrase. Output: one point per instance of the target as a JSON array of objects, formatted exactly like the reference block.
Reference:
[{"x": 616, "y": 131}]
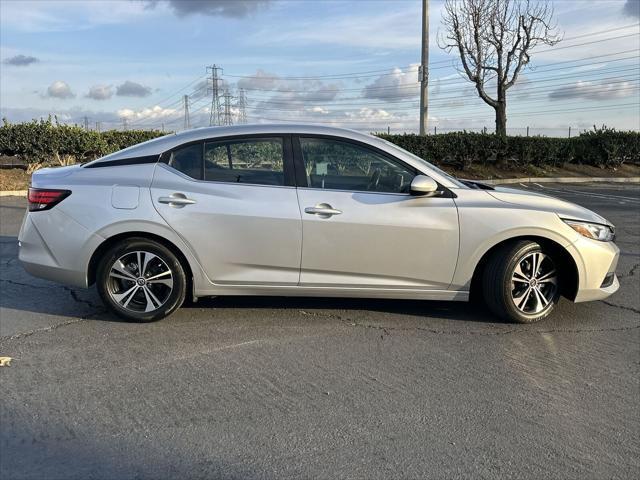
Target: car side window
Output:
[
  {"x": 188, "y": 160},
  {"x": 336, "y": 165},
  {"x": 257, "y": 161}
]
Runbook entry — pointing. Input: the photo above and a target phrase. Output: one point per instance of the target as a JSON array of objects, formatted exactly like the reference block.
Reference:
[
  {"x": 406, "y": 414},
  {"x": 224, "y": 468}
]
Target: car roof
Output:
[
  {"x": 169, "y": 141},
  {"x": 160, "y": 145}
]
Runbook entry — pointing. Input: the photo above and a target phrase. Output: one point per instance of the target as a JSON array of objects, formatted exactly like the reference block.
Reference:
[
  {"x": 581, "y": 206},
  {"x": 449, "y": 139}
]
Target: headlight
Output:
[{"x": 604, "y": 233}]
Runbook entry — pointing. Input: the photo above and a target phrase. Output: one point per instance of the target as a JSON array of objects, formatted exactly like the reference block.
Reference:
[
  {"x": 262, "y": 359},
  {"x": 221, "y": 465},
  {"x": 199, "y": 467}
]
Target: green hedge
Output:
[
  {"x": 602, "y": 147},
  {"x": 40, "y": 140}
]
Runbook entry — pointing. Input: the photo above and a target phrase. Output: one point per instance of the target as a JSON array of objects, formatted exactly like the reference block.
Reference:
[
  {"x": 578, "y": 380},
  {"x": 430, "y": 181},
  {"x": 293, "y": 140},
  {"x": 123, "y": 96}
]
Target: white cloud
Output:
[
  {"x": 59, "y": 89},
  {"x": 152, "y": 113},
  {"x": 100, "y": 92},
  {"x": 593, "y": 91},
  {"x": 394, "y": 86}
]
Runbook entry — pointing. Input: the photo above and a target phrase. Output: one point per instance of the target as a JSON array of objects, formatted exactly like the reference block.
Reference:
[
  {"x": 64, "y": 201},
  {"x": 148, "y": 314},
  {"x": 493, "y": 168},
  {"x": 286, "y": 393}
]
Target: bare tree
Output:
[{"x": 494, "y": 39}]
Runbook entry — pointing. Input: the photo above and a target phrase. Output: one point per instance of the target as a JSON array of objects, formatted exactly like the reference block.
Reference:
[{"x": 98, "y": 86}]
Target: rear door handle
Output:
[
  {"x": 177, "y": 200},
  {"x": 323, "y": 210}
]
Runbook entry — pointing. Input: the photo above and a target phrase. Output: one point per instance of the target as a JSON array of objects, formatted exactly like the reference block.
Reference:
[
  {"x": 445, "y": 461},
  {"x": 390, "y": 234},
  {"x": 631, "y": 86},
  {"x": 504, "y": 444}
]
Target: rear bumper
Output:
[
  {"x": 64, "y": 255},
  {"x": 595, "y": 260}
]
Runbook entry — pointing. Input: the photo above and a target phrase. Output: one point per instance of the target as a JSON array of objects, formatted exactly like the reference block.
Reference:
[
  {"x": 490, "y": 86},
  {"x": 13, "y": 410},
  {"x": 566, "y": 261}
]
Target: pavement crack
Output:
[
  {"x": 386, "y": 329},
  {"x": 623, "y": 307},
  {"x": 77, "y": 299},
  {"x": 73, "y": 293},
  {"x": 50, "y": 328},
  {"x": 631, "y": 272}
]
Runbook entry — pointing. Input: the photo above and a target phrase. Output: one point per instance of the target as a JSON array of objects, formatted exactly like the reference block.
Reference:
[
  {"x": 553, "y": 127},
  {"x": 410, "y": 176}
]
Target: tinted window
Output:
[
  {"x": 188, "y": 160},
  {"x": 337, "y": 165},
  {"x": 256, "y": 161}
]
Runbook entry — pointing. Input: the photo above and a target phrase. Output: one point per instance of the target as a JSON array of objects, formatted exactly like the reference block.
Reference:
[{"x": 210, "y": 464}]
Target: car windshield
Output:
[{"x": 453, "y": 179}]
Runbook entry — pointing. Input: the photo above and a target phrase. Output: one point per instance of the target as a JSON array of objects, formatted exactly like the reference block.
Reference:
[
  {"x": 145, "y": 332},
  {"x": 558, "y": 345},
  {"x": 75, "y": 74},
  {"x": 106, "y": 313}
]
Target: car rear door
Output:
[
  {"x": 234, "y": 203},
  {"x": 362, "y": 228}
]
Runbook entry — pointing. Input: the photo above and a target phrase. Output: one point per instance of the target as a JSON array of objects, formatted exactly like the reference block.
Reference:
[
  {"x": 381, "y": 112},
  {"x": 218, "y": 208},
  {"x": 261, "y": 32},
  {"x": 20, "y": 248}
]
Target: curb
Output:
[
  {"x": 500, "y": 181},
  {"x": 13, "y": 193}
]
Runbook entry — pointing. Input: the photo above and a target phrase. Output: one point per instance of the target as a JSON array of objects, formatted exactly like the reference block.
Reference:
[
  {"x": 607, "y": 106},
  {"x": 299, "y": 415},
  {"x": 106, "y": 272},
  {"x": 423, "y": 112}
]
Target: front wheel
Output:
[
  {"x": 521, "y": 282},
  {"x": 141, "y": 280}
]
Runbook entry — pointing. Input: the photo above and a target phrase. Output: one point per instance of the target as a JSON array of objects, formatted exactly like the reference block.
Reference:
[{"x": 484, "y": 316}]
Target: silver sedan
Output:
[{"x": 308, "y": 211}]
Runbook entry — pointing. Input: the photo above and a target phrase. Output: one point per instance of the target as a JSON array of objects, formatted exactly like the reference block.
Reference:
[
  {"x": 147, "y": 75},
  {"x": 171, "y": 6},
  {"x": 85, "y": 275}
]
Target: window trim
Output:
[
  {"x": 301, "y": 177},
  {"x": 287, "y": 157}
]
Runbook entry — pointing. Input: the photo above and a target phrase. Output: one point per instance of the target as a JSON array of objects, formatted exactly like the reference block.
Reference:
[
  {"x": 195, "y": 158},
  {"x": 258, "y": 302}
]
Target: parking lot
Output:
[{"x": 321, "y": 388}]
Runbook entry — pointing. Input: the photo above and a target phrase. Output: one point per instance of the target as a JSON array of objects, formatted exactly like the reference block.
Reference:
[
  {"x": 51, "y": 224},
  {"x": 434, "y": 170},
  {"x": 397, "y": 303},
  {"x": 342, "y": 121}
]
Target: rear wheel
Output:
[
  {"x": 521, "y": 282},
  {"x": 141, "y": 280}
]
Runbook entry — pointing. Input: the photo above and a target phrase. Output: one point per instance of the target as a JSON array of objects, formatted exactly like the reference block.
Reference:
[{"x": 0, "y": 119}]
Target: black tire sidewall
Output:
[
  {"x": 174, "y": 301},
  {"x": 513, "y": 311}
]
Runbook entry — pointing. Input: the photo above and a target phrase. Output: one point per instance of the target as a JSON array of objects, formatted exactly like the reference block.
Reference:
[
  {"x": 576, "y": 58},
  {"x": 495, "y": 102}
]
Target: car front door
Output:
[
  {"x": 361, "y": 226},
  {"x": 234, "y": 202}
]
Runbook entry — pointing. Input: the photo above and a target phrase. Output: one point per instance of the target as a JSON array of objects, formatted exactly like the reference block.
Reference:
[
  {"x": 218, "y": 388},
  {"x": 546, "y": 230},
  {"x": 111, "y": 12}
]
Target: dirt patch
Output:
[{"x": 14, "y": 179}]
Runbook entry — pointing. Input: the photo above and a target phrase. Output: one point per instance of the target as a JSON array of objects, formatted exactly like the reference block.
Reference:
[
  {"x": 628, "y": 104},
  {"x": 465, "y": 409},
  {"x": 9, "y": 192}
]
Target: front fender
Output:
[{"x": 480, "y": 231}]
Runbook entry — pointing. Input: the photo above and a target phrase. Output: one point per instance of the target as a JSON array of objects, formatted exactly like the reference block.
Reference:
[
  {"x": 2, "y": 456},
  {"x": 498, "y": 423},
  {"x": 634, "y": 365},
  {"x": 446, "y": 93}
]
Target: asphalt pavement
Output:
[{"x": 321, "y": 388}]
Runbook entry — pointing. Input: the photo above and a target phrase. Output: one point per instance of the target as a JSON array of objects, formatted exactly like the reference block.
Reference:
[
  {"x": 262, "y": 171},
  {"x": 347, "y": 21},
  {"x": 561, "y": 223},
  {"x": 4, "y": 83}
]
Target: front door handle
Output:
[
  {"x": 177, "y": 200},
  {"x": 323, "y": 210}
]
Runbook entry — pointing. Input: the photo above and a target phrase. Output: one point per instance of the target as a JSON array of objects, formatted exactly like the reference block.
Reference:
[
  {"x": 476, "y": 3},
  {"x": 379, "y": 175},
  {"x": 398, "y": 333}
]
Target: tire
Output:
[
  {"x": 512, "y": 291},
  {"x": 155, "y": 294}
]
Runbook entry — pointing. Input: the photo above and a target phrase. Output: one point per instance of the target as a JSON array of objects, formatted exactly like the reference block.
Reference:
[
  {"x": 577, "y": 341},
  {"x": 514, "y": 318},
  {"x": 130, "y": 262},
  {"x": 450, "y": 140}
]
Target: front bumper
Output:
[{"x": 595, "y": 260}]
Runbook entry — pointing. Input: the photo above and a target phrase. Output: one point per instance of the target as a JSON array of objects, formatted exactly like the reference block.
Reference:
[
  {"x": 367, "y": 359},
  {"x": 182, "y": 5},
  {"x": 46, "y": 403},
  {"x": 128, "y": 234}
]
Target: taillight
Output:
[{"x": 45, "y": 198}]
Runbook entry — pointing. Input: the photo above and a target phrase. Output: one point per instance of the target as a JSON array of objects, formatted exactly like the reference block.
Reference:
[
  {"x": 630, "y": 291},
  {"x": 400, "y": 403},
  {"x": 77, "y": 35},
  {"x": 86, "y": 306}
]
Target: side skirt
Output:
[{"x": 298, "y": 291}]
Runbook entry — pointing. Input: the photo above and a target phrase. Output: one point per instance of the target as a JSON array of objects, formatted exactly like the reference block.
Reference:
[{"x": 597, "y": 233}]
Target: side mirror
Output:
[{"x": 421, "y": 185}]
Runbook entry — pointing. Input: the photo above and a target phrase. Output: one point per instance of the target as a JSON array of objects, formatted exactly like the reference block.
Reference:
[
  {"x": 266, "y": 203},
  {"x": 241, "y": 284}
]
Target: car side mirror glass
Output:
[{"x": 421, "y": 185}]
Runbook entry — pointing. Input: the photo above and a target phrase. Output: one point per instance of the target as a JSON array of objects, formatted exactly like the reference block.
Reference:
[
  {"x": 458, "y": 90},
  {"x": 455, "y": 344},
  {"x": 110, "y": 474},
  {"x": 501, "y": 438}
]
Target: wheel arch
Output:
[
  {"x": 114, "y": 239},
  {"x": 566, "y": 264}
]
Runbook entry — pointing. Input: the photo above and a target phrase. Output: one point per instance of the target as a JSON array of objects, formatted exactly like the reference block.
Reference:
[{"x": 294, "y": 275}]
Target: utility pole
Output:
[
  {"x": 423, "y": 72},
  {"x": 242, "y": 106},
  {"x": 98, "y": 127},
  {"x": 215, "y": 114},
  {"x": 227, "y": 119},
  {"x": 125, "y": 125},
  {"x": 86, "y": 122},
  {"x": 187, "y": 120}
]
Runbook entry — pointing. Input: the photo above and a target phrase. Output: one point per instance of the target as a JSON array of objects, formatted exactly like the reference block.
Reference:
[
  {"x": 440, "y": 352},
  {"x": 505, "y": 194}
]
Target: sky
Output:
[{"x": 348, "y": 63}]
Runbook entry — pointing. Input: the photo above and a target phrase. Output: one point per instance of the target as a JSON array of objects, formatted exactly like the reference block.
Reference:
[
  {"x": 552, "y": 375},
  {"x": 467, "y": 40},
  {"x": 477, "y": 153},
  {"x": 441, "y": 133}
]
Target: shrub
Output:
[
  {"x": 602, "y": 147},
  {"x": 43, "y": 140}
]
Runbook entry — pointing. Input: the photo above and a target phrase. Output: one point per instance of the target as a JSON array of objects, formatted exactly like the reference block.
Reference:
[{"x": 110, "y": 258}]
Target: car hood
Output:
[{"x": 541, "y": 202}]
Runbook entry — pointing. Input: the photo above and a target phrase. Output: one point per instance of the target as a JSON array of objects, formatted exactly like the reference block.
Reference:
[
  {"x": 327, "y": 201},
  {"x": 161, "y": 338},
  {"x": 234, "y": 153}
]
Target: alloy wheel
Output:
[
  {"x": 140, "y": 281},
  {"x": 534, "y": 283}
]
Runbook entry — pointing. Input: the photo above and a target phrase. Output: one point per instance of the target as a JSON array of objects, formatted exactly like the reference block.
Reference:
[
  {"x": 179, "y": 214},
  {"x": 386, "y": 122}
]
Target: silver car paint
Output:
[{"x": 260, "y": 241}]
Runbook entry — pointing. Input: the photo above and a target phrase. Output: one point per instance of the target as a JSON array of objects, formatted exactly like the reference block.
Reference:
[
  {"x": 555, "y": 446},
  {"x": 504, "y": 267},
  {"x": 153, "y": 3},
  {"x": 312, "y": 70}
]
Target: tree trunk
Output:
[
  {"x": 501, "y": 126},
  {"x": 501, "y": 117}
]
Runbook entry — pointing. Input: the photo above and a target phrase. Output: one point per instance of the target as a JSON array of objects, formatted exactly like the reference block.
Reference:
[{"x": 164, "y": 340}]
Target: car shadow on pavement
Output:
[
  {"x": 22, "y": 292},
  {"x": 426, "y": 309}
]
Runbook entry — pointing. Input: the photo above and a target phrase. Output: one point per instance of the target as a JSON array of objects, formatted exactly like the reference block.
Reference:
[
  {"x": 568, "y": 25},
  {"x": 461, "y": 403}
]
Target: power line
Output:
[{"x": 393, "y": 69}]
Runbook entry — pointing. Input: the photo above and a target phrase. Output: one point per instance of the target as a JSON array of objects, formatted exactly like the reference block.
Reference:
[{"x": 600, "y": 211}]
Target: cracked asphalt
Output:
[{"x": 321, "y": 388}]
